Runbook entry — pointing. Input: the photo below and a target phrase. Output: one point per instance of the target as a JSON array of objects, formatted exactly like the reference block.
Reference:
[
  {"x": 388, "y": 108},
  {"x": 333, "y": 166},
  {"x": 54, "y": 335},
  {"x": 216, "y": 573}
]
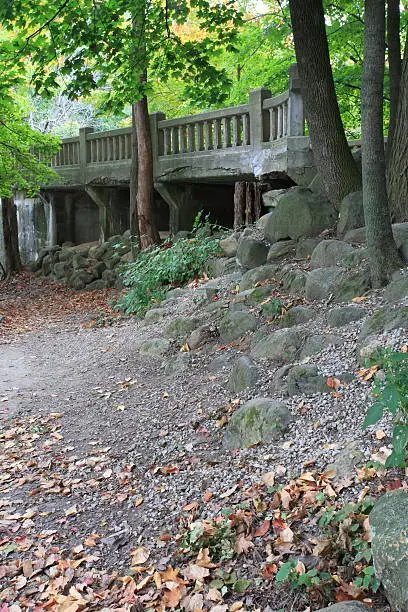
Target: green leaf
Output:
[
  {"x": 285, "y": 570},
  {"x": 240, "y": 586},
  {"x": 374, "y": 414}
]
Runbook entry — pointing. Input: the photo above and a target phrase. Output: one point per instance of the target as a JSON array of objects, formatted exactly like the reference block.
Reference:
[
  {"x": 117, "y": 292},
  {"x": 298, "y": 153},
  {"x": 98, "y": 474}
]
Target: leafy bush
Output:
[
  {"x": 158, "y": 270},
  {"x": 390, "y": 391}
]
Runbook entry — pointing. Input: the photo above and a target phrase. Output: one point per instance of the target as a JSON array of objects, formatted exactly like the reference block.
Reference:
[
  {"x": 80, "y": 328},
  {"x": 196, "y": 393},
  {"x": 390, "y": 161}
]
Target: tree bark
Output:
[
  {"x": 249, "y": 203},
  {"x": 398, "y": 155},
  {"x": 394, "y": 61},
  {"x": 145, "y": 183},
  {"x": 331, "y": 152},
  {"x": 133, "y": 216},
  {"x": 10, "y": 233},
  {"x": 382, "y": 250},
  {"x": 239, "y": 205}
]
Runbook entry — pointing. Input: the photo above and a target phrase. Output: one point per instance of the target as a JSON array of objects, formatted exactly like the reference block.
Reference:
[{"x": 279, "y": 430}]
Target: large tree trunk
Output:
[
  {"x": 394, "y": 61},
  {"x": 331, "y": 152},
  {"x": 133, "y": 216},
  {"x": 10, "y": 233},
  {"x": 398, "y": 155},
  {"x": 382, "y": 250},
  {"x": 145, "y": 184}
]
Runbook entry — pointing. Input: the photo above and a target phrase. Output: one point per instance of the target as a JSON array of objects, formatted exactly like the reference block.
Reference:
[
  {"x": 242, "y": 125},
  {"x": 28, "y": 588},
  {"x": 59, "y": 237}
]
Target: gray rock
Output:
[
  {"x": 281, "y": 249},
  {"x": 297, "y": 315},
  {"x": 235, "y": 324},
  {"x": 79, "y": 279},
  {"x": 356, "y": 258},
  {"x": 180, "y": 327},
  {"x": 65, "y": 254},
  {"x": 337, "y": 317},
  {"x": 346, "y": 461},
  {"x": 399, "y": 230},
  {"x": 79, "y": 262},
  {"x": 60, "y": 269},
  {"x": 154, "y": 315},
  {"x": 384, "y": 320},
  {"x": 271, "y": 198},
  {"x": 154, "y": 347},
  {"x": 396, "y": 290},
  {"x": 112, "y": 261},
  {"x": 367, "y": 348},
  {"x": 229, "y": 245},
  {"x": 244, "y": 374},
  {"x": 126, "y": 257},
  {"x": 219, "y": 266},
  {"x": 306, "y": 380},
  {"x": 329, "y": 253},
  {"x": 97, "y": 285},
  {"x": 177, "y": 364},
  {"x": 351, "y": 213},
  {"x": 97, "y": 268},
  {"x": 258, "y": 275},
  {"x": 389, "y": 527},
  {"x": 321, "y": 283},
  {"x": 305, "y": 247},
  {"x": 282, "y": 345},
  {"x": 259, "y": 420},
  {"x": 220, "y": 363},
  {"x": 279, "y": 382},
  {"x": 254, "y": 296},
  {"x": 348, "y": 606},
  {"x": 110, "y": 276},
  {"x": 319, "y": 342},
  {"x": 299, "y": 213},
  {"x": 352, "y": 284},
  {"x": 201, "y": 335},
  {"x": 262, "y": 221},
  {"x": 293, "y": 279},
  {"x": 251, "y": 253}
]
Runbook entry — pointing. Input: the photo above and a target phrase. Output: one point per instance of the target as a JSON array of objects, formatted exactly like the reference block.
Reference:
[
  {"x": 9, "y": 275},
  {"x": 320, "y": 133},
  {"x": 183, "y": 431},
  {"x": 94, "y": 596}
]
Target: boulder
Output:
[
  {"x": 282, "y": 345},
  {"x": 154, "y": 315},
  {"x": 271, "y": 198},
  {"x": 97, "y": 285},
  {"x": 201, "y": 335},
  {"x": 281, "y": 249},
  {"x": 293, "y": 279},
  {"x": 180, "y": 327},
  {"x": 351, "y": 213},
  {"x": 251, "y": 253},
  {"x": 254, "y": 296},
  {"x": 65, "y": 254},
  {"x": 305, "y": 247},
  {"x": 79, "y": 262},
  {"x": 319, "y": 342},
  {"x": 389, "y": 528},
  {"x": 305, "y": 380},
  {"x": 346, "y": 461},
  {"x": 60, "y": 269},
  {"x": 352, "y": 284},
  {"x": 229, "y": 245},
  {"x": 110, "y": 276},
  {"x": 244, "y": 374},
  {"x": 235, "y": 324},
  {"x": 341, "y": 284},
  {"x": 262, "y": 221},
  {"x": 220, "y": 363},
  {"x": 79, "y": 279},
  {"x": 299, "y": 213},
  {"x": 329, "y": 253},
  {"x": 259, "y": 420},
  {"x": 258, "y": 275},
  {"x": 219, "y": 266},
  {"x": 177, "y": 364},
  {"x": 154, "y": 347},
  {"x": 97, "y": 268},
  {"x": 396, "y": 291},
  {"x": 321, "y": 283},
  {"x": 384, "y": 320},
  {"x": 337, "y": 317},
  {"x": 297, "y": 315},
  {"x": 399, "y": 230}
]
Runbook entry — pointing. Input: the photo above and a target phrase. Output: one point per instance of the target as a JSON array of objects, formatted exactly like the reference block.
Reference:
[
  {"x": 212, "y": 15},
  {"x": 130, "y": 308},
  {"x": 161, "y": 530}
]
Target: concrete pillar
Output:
[
  {"x": 51, "y": 218},
  {"x": 296, "y": 117},
  {"x": 259, "y": 119},
  {"x": 178, "y": 198},
  {"x": 69, "y": 214},
  {"x": 83, "y": 152},
  {"x": 157, "y": 138}
]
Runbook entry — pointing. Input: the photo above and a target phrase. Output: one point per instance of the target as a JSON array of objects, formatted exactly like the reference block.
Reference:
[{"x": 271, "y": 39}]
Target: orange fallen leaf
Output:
[{"x": 263, "y": 529}]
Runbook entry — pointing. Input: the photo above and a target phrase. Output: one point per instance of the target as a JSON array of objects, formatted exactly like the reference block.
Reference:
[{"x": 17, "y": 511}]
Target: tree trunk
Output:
[
  {"x": 249, "y": 203},
  {"x": 10, "y": 233},
  {"x": 394, "y": 61},
  {"x": 398, "y": 156},
  {"x": 382, "y": 250},
  {"x": 331, "y": 152},
  {"x": 239, "y": 205},
  {"x": 133, "y": 217},
  {"x": 145, "y": 185}
]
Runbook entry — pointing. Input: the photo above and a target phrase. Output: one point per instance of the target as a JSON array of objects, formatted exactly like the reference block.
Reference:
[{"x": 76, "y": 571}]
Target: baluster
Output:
[
  {"x": 114, "y": 148},
  {"x": 200, "y": 136},
  {"x": 183, "y": 138},
  {"x": 208, "y": 140},
  {"x": 127, "y": 146},
  {"x": 226, "y": 124},
  {"x": 245, "y": 129},
  {"x": 191, "y": 137},
  {"x": 236, "y": 136},
  {"x": 272, "y": 124},
  {"x": 280, "y": 121},
  {"x": 285, "y": 119},
  {"x": 175, "y": 139},
  {"x": 98, "y": 150},
  {"x": 166, "y": 141},
  {"x": 217, "y": 134}
]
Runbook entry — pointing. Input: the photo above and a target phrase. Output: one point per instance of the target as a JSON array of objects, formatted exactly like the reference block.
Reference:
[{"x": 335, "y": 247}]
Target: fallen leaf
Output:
[
  {"x": 269, "y": 479},
  {"x": 333, "y": 383},
  {"x": 196, "y": 572},
  {"x": 262, "y": 529},
  {"x": 242, "y": 544},
  {"x": 71, "y": 511},
  {"x": 191, "y": 506},
  {"x": 140, "y": 555},
  {"x": 229, "y": 492}
]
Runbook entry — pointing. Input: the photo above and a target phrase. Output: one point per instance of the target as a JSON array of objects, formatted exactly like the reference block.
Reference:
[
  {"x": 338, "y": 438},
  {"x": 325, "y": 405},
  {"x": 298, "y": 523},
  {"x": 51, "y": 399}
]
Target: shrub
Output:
[{"x": 390, "y": 392}]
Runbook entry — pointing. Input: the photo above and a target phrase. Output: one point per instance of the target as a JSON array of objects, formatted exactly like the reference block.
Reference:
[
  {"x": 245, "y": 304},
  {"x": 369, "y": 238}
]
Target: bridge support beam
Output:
[
  {"x": 178, "y": 197},
  {"x": 110, "y": 211}
]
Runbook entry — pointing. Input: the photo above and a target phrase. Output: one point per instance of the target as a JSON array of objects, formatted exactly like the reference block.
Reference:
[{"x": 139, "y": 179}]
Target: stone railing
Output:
[{"x": 261, "y": 123}]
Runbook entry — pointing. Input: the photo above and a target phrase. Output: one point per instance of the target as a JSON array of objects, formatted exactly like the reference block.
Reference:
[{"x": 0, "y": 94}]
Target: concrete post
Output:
[
  {"x": 157, "y": 137},
  {"x": 296, "y": 117},
  {"x": 83, "y": 152},
  {"x": 259, "y": 119}
]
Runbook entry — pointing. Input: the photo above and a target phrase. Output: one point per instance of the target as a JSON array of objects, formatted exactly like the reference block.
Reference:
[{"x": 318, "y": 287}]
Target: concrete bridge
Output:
[{"x": 197, "y": 160}]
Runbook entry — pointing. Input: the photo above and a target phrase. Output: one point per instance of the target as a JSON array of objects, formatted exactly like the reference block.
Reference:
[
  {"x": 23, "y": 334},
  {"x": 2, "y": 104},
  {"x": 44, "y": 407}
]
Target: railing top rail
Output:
[
  {"x": 276, "y": 101},
  {"x": 109, "y": 133},
  {"x": 218, "y": 114},
  {"x": 69, "y": 140}
]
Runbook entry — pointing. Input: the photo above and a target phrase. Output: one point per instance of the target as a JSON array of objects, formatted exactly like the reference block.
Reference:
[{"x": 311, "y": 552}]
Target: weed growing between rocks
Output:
[
  {"x": 390, "y": 391},
  {"x": 167, "y": 266}
]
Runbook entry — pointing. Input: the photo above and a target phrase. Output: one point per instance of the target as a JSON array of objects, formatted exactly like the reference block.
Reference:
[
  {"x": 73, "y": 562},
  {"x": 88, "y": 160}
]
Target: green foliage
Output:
[
  {"x": 273, "y": 308},
  {"x": 158, "y": 270},
  {"x": 218, "y": 537},
  {"x": 287, "y": 573},
  {"x": 390, "y": 392}
]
